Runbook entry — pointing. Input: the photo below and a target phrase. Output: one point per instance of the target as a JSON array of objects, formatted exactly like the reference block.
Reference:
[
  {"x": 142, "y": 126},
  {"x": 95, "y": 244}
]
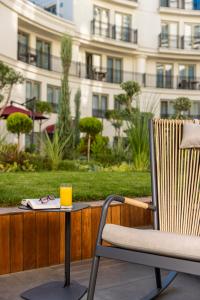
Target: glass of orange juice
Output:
[{"x": 66, "y": 195}]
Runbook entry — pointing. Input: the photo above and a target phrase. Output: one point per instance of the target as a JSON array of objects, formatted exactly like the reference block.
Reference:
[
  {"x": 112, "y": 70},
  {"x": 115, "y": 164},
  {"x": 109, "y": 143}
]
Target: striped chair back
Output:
[{"x": 177, "y": 178}]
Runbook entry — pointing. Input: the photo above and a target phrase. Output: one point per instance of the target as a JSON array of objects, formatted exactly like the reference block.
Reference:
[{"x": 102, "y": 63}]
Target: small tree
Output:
[
  {"x": 77, "y": 101},
  {"x": 8, "y": 78},
  {"x": 132, "y": 89},
  {"x": 115, "y": 117},
  {"x": 19, "y": 123},
  {"x": 91, "y": 126},
  {"x": 64, "y": 124},
  {"x": 43, "y": 107},
  {"x": 181, "y": 105}
]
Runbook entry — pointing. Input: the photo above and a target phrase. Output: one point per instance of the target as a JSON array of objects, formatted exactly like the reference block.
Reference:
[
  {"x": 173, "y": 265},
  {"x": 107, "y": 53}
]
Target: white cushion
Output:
[
  {"x": 153, "y": 241},
  {"x": 191, "y": 136}
]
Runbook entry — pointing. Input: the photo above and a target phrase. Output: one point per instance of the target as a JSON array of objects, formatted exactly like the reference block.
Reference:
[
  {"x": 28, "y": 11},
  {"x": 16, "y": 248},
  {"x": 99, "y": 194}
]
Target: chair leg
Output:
[
  {"x": 166, "y": 282},
  {"x": 93, "y": 278},
  {"x": 158, "y": 278}
]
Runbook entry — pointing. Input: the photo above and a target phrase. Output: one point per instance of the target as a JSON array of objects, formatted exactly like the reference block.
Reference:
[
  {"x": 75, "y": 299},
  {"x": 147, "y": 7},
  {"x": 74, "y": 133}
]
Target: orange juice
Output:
[{"x": 66, "y": 196}]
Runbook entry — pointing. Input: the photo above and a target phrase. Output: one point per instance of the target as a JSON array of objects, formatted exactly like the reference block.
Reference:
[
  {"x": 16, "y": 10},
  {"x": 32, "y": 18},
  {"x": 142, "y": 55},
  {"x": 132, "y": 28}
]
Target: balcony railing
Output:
[
  {"x": 115, "y": 76},
  {"x": 181, "y": 4},
  {"x": 99, "y": 113},
  {"x": 179, "y": 42},
  {"x": 38, "y": 58},
  {"x": 169, "y": 116},
  {"x": 106, "y": 30}
]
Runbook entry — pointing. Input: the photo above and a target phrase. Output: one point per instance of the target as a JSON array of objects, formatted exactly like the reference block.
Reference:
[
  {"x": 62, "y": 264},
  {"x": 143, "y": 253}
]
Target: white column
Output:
[
  {"x": 140, "y": 75},
  {"x": 141, "y": 64}
]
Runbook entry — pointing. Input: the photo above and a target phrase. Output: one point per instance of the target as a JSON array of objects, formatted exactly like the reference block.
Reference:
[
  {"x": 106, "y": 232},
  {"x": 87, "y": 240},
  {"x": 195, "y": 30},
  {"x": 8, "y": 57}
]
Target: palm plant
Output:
[
  {"x": 138, "y": 137},
  {"x": 54, "y": 149}
]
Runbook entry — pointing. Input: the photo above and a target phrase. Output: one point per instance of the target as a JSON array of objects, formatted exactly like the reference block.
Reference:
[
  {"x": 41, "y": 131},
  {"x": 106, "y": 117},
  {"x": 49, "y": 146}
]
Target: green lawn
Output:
[{"x": 87, "y": 186}]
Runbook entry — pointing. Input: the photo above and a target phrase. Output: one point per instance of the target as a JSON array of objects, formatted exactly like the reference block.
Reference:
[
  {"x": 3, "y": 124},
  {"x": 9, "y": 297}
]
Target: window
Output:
[
  {"x": 99, "y": 105},
  {"x": 192, "y": 36},
  {"x": 166, "y": 109},
  {"x": 52, "y": 9},
  {"x": 93, "y": 66},
  {"x": 169, "y": 35},
  {"x": 43, "y": 50},
  {"x": 53, "y": 95},
  {"x": 118, "y": 106},
  {"x": 101, "y": 21},
  {"x": 164, "y": 76},
  {"x": 186, "y": 77},
  {"x": 114, "y": 70},
  {"x": 23, "y": 46},
  {"x": 123, "y": 27},
  {"x": 196, "y": 4},
  {"x": 32, "y": 90}
]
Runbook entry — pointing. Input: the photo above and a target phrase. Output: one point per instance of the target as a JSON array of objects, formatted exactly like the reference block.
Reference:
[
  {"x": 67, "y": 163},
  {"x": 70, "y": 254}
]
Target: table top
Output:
[{"x": 75, "y": 207}]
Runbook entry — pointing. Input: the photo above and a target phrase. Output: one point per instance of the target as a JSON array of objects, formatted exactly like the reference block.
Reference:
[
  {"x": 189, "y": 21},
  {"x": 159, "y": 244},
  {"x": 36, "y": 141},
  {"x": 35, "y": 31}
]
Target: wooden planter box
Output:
[{"x": 31, "y": 240}]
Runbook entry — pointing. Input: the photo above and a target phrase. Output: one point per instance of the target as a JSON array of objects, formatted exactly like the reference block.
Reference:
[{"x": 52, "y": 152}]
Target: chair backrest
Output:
[{"x": 177, "y": 179}]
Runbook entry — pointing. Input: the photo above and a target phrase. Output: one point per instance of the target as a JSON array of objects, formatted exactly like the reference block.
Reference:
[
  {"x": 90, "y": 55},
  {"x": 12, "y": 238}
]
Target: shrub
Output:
[
  {"x": 68, "y": 165},
  {"x": 99, "y": 147},
  {"x": 11, "y": 159}
]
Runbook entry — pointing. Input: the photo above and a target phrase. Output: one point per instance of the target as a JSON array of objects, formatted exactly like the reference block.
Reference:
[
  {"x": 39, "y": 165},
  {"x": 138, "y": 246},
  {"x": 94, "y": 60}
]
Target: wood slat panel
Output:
[
  {"x": 38, "y": 238},
  {"x": 29, "y": 245},
  {"x": 86, "y": 233},
  {"x": 125, "y": 215},
  {"x": 116, "y": 215},
  {"x": 76, "y": 235},
  {"x": 4, "y": 244},
  {"x": 62, "y": 238},
  {"x": 54, "y": 238},
  {"x": 95, "y": 219},
  {"x": 42, "y": 243},
  {"x": 16, "y": 243}
]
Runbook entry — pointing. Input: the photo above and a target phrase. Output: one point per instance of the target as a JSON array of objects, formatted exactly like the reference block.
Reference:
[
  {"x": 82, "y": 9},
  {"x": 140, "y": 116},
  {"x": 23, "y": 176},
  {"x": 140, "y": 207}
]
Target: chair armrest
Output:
[
  {"x": 138, "y": 203},
  {"x": 104, "y": 213},
  {"x": 122, "y": 200}
]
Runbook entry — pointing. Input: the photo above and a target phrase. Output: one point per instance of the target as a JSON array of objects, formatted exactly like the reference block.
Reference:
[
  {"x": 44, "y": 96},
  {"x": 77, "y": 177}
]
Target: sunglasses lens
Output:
[
  {"x": 51, "y": 197},
  {"x": 44, "y": 200}
]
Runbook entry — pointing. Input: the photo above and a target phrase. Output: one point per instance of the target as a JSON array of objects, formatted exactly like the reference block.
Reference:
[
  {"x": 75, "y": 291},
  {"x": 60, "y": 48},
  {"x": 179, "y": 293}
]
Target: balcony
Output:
[
  {"x": 181, "y": 4},
  {"x": 38, "y": 58},
  {"x": 118, "y": 33},
  {"x": 111, "y": 75},
  {"x": 179, "y": 42}
]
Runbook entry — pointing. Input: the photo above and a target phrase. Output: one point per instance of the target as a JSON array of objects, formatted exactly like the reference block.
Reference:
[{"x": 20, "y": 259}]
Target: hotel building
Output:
[{"x": 156, "y": 43}]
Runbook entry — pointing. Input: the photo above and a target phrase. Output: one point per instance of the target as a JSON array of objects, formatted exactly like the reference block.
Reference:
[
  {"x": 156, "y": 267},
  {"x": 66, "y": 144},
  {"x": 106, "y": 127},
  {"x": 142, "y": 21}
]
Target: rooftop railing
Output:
[{"x": 120, "y": 33}]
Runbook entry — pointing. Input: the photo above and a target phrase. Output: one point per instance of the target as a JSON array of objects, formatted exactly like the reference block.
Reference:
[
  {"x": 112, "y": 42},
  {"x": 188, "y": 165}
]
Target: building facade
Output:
[{"x": 156, "y": 43}]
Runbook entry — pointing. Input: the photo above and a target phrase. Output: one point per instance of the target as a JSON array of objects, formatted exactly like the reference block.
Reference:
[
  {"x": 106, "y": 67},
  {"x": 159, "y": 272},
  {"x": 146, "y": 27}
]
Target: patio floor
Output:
[{"x": 116, "y": 280}]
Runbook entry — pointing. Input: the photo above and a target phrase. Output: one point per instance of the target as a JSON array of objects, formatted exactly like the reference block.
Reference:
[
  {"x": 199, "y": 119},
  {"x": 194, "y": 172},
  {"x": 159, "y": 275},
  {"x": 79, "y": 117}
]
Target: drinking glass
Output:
[{"x": 66, "y": 195}]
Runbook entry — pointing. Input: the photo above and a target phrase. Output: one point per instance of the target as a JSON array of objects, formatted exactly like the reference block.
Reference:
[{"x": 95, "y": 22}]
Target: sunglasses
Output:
[{"x": 46, "y": 199}]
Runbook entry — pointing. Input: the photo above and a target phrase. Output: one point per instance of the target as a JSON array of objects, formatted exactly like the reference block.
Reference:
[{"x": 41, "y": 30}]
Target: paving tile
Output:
[{"x": 116, "y": 281}]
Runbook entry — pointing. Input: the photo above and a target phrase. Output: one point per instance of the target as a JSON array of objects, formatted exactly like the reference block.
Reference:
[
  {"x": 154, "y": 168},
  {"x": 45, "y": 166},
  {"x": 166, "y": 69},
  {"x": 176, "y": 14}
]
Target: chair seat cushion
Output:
[{"x": 153, "y": 241}]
